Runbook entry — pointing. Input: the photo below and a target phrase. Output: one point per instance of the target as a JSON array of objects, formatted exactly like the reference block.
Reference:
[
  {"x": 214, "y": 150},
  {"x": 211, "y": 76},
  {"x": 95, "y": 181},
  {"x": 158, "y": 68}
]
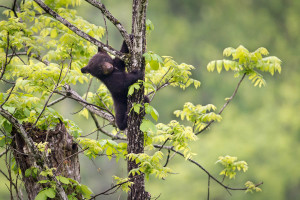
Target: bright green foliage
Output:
[
  {"x": 148, "y": 125},
  {"x": 47, "y": 172},
  {"x": 149, "y": 164},
  {"x": 101, "y": 98},
  {"x": 79, "y": 188},
  {"x": 249, "y": 63},
  {"x": 149, "y": 26},
  {"x": 152, "y": 111},
  {"x": 42, "y": 147},
  {"x": 95, "y": 148},
  {"x": 154, "y": 60},
  {"x": 135, "y": 86},
  {"x": 199, "y": 115},
  {"x": 251, "y": 187},
  {"x": 230, "y": 165},
  {"x": 161, "y": 72},
  {"x": 50, "y": 192},
  {"x": 45, "y": 194},
  {"x": 125, "y": 183},
  {"x": 177, "y": 135},
  {"x": 44, "y": 39}
]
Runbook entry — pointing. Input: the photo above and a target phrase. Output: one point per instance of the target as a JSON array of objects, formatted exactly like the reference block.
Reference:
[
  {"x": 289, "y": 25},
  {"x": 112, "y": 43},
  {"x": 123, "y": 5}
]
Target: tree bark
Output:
[
  {"x": 63, "y": 156},
  {"x": 134, "y": 134}
]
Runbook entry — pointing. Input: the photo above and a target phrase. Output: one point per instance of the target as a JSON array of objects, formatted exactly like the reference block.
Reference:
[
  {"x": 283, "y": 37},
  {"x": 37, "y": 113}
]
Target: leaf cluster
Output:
[
  {"x": 230, "y": 165},
  {"x": 110, "y": 148},
  {"x": 198, "y": 115},
  {"x": 149, "y": 164},
  {"x": 249, "y": 63},
  {"x": 164, "y": 70}
]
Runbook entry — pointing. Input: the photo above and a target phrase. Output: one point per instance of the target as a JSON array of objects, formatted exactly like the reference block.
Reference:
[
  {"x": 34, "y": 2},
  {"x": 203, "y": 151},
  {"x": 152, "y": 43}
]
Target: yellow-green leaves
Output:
[
  {"x": 199, "y": 115},
  {"x": 230, "y": 165},
  {"x": 247, "y": 62},
  {"x": 95, "y": 148},
  {"x": 153, "y": 60},
  {"x": 149, "y": 164},
  {"x": 251, "y": 187},
  {"x": 124, "y": 182},
  {"x": 177, "y": 135},
  {"x": 163, "y": 71}
]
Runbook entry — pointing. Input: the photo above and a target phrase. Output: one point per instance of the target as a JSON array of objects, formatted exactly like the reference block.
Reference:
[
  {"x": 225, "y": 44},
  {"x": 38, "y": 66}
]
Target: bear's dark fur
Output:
[{"x": 112, "y": 73}]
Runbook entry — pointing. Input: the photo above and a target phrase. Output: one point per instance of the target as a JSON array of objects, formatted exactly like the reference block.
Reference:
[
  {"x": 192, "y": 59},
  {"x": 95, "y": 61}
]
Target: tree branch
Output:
[
  {"x": 80, "y": 32},
  {"x": 112, "y": 19},
  {"x": 91, "y": 107},
  {"x": 106, "y": 191},
  {"x": 203, "y": 169},
  {"x": 114, "y": 137},
  {"x": 225, "y": 105}
]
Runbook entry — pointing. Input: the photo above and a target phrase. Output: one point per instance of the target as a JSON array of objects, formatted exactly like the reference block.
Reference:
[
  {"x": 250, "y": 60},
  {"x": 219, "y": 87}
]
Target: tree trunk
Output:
[
  {"x": 134, "y": 134},
  {"x": 63, "y": 156}
]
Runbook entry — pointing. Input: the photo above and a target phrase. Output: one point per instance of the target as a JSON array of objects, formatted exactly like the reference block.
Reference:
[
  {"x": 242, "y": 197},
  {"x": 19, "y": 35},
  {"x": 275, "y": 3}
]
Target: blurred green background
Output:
[{"x": 260, "y": 126}]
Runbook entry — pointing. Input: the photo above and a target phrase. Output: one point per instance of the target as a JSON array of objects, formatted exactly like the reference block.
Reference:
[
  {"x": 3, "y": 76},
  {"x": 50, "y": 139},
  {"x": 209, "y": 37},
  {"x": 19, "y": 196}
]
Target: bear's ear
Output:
[{"x": 107, "y": 68}]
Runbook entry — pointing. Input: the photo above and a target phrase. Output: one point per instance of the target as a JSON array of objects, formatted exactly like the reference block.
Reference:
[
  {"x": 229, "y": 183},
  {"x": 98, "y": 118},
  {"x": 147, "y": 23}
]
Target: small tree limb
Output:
[
  {"x": 79, "y": 32},
  {"x": 171, "y": 148},
  {"x": 112, "y": 19}
]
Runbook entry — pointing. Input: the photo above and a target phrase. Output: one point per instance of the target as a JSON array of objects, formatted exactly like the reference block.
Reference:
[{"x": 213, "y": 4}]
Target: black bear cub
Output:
[{"x": 112, "y": 73}]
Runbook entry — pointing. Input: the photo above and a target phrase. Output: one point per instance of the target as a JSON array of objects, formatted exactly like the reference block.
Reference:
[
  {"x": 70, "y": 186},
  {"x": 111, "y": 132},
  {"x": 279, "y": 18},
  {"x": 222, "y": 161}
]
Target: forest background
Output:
[{"x": 261, "y": 125}]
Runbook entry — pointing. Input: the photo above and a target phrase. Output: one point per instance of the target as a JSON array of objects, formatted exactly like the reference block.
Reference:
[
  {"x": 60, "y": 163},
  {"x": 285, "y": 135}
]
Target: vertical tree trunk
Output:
[
  {"x": 134, "y": 134},
  {"x": 63, "y": 156}
]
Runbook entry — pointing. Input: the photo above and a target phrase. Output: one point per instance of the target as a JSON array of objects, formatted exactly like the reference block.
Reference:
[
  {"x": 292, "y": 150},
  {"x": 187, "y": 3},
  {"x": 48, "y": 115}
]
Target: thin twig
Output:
[
  {"x": 106, "y": 191},
  {"x": 113, "y": 20},
  {"x": 225, "y": 105},
  {"x": 208, "y": 187},
  {"x": 114, "y": 137},
  {"x": 9, "y": 94},
  {"x": 203, "y": 169},
  {"x": 56, "y": 101}
]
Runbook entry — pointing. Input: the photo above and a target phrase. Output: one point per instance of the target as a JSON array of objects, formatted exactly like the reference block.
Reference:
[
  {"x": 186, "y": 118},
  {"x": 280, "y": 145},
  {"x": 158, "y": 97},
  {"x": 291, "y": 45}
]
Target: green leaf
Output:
[
  {"x": 154, "y": 114},
  {"x": 63, "y": 180},
  {"x": 53, "y": 33},
  {"x": 28, "y": 172},
  {"x": 50, "y": 192},
  {"x": 44, "y": 181},
  {"x": 86, "y": 191},
  {"x": 146, "y": 125},
  {"x": 7, "y": 126},
  {"x": 154, "y": 65},
  {"x": 41, "y": 196}
]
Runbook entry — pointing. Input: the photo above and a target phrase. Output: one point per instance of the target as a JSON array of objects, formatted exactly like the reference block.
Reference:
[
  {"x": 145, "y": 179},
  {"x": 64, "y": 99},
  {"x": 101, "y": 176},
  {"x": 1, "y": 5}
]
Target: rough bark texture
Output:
[
  {"x": 134, "y": 134},
  {"x": 63, "y": 155}
]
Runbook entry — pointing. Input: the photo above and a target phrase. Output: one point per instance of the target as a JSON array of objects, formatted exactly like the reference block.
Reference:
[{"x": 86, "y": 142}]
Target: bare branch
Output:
[
  {"x": 79, "y": 32},
  {"x": 112, "y": 19},
  {"x": 225, "y": 105},
  {"x": 114, "y": 137},
  {"x": 91, "y": 107},
  {"x": 56, "y": 101},
  {"x": 5, "y": 7},
  {"x": 11, "y": 89},
  {"x": 106, "y": 191}
]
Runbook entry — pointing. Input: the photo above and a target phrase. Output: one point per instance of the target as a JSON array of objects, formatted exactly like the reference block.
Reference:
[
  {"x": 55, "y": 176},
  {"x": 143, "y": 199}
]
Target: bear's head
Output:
[{"x": 99, "y": 65}]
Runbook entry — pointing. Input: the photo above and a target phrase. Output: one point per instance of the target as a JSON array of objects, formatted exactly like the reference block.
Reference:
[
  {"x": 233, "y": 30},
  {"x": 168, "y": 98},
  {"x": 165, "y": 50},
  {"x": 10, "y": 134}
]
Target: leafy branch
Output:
[
  {"x": 171, "y": 148},
  {"x": 78, "y": 31}
]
